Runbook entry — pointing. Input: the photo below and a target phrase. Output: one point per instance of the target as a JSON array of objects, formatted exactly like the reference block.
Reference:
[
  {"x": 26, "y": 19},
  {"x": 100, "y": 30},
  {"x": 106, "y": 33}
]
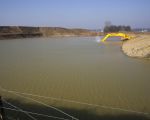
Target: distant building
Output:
[
  {"x": 141, "y": 29},
  {"x": 144, "y": 30}
]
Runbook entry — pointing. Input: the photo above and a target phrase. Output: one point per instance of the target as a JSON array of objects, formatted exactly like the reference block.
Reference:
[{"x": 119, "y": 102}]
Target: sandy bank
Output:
[{"x": 139, "y": 46}]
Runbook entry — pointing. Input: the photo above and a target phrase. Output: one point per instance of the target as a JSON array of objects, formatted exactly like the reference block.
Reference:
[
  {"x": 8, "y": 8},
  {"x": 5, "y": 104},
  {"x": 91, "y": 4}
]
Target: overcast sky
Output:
[{"x": 75, "y": 13}]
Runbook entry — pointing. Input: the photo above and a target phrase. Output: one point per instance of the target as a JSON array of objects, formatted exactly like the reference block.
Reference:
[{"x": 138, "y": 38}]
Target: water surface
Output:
[{"x": 78, "y": 69}]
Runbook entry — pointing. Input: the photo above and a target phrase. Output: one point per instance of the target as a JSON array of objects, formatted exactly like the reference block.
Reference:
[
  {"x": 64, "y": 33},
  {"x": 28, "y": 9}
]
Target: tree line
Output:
[{"x": 114, "y": 28}]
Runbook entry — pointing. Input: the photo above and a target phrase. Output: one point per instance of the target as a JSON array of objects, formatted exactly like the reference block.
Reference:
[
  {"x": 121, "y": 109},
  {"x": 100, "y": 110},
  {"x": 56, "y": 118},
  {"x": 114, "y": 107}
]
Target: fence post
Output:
[{"x": 2, "y": 113}]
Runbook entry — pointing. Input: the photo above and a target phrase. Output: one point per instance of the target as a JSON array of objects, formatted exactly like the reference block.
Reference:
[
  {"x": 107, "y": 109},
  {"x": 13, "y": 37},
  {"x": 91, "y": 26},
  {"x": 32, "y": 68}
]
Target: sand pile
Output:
[{"x": 139, "y": 46}]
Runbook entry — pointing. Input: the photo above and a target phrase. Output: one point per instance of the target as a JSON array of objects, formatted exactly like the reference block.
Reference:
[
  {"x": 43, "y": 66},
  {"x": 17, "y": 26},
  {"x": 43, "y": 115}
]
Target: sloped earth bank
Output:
[{"x": 139, "y": 46}]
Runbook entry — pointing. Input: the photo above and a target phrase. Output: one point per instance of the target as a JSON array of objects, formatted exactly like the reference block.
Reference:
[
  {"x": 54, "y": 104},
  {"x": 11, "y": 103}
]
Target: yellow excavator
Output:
[{"x": 122, "y": 35}]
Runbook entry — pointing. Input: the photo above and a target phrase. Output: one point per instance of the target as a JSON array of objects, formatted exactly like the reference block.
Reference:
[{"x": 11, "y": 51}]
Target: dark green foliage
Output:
[{"x": 114, "y": 28}]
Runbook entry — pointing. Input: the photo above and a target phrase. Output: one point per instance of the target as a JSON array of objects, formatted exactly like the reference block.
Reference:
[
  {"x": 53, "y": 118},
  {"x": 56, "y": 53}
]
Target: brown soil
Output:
[{"x": 139, "y": 46}]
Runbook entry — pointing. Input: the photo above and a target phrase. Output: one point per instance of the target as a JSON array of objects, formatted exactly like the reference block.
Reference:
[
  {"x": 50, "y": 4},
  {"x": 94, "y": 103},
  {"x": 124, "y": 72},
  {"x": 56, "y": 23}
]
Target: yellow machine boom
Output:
[{"x": 122, "y": 35}]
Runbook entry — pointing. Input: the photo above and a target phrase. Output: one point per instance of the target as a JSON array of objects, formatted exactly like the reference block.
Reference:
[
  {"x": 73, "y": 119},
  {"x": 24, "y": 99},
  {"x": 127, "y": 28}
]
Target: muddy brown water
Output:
[{"x": 77, "y": 71}]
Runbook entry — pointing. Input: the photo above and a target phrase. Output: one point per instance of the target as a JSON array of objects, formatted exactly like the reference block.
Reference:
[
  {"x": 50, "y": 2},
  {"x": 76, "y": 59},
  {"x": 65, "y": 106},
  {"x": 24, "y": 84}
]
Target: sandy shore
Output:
[{"x": 139, "y": 46}]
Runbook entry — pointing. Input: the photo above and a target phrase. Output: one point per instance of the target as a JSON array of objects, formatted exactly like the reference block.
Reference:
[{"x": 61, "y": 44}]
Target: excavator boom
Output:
[{"x": 122, "y": 35}]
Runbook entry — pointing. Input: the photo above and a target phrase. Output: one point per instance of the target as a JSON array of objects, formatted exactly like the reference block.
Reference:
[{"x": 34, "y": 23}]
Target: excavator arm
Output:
[{"x": 122, "y": 35}]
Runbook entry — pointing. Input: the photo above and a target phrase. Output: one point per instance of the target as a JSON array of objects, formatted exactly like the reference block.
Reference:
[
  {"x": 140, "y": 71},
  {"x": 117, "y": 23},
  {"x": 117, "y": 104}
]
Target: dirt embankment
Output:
[
  {"x": 9, "y": 32},
  {"x": 139, "y": 46}
]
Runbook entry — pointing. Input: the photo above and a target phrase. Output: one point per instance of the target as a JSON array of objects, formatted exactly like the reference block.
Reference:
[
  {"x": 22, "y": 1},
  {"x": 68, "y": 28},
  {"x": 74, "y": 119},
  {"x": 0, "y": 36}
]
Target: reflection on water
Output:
[{"x": 75, "y": 68}]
